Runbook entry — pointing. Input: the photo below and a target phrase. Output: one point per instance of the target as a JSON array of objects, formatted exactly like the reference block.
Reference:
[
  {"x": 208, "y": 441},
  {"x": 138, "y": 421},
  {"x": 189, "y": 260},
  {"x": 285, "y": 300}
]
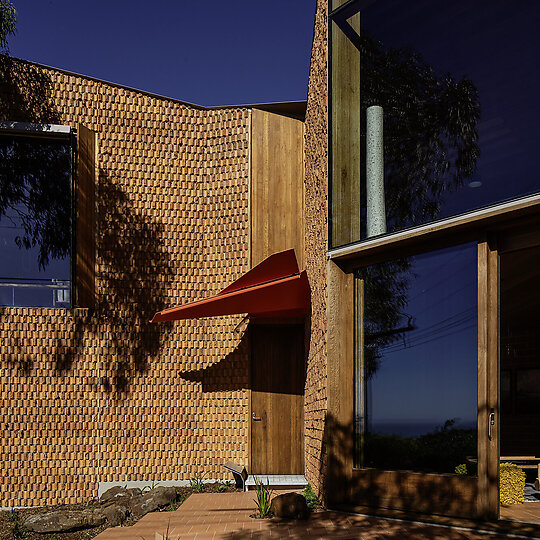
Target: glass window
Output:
[
  {"x": 416, "y": 367},
  {"x": 449, "y": 112},
  {"x": 35, "y": 219}
]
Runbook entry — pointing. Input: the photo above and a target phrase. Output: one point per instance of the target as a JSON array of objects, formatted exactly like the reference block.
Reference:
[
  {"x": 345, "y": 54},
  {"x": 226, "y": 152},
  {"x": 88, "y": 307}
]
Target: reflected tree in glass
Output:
[
  {"x": 35, "y": 194},
  {"x": 430, "y": 130},
  {"x": 415, "y": 378}
]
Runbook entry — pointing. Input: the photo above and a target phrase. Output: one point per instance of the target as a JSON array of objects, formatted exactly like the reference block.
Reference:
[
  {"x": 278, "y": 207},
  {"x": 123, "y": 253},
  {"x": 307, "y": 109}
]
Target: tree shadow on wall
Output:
[
  {"x": 230, "y": 373},
  {"x": 134, "y": 270},
  {"x": 25, "y": 93},
  {"x": 133, "y": 266},
  {"x": 25, "y": 96}
]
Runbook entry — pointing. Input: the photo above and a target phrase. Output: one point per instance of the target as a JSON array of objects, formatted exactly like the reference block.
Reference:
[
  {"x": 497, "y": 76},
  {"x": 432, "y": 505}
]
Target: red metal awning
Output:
[{"x": 274, "y": 288}]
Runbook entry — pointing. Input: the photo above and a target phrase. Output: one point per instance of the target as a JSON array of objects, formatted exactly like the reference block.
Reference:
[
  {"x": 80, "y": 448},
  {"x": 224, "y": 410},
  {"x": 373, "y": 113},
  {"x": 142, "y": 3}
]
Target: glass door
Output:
[
  {"x": 422, "y": 411},
  {"x": 519, "y": 475}
]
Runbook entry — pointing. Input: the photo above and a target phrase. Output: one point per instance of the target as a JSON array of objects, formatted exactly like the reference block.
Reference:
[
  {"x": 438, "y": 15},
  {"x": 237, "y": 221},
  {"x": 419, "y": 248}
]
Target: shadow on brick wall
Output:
[
  {"x": 230, "y": 373},
  {"x": 25, "y": 96},
  {"x": 133, "y": 264},
  {"x": 133, "y": 275},
  {"x": 25, "y": 93}
]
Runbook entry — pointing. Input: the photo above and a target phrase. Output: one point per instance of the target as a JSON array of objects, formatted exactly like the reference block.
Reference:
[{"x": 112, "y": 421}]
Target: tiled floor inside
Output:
[{"x": 227, "y": 516}]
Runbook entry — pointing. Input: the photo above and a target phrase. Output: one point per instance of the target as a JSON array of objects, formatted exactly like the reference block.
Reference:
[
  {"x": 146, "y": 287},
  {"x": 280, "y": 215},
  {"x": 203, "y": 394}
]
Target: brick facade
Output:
[
  {"x": 89, "y": 396},
  {"x": 315, "y": 234}
]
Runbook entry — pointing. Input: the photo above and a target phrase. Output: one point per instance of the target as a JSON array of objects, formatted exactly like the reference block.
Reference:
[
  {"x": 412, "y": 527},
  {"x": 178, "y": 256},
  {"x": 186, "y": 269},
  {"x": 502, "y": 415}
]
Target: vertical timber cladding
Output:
[
  {"x": 345, "y": 143},
  {"x": 86, "y": 218},
  {"x": 338, "y": 429},
  {"x": 276, "y": 185},
  {"x": 276, "y": 225}
]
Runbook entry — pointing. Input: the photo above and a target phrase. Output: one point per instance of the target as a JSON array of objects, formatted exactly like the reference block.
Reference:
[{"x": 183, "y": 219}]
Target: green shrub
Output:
[
  {"x": 512, "y": 484},
  {"x": 311, "y": 499},
  {"x": 264, "y": 494}
]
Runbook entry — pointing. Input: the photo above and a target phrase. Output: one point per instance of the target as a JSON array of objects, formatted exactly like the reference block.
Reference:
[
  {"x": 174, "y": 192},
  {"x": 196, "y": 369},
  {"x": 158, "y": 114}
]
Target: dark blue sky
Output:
[{"x": 206, "y": 52}]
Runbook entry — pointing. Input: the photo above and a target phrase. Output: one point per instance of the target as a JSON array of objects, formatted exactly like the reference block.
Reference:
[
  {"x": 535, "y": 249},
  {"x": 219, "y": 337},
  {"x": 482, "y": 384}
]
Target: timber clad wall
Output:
[
  {"x": 94, "y": 395},
  {"x": 315, "y": 238}
]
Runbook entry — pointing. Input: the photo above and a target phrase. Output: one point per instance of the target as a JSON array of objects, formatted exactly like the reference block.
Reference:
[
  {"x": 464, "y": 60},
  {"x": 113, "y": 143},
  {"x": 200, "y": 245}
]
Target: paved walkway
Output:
[{"x": 226, "y": 516}]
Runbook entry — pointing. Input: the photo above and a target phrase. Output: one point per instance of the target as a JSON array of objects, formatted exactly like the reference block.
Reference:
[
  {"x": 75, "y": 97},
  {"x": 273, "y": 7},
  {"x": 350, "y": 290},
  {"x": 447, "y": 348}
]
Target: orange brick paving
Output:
[{"x": 226, "y": 516}]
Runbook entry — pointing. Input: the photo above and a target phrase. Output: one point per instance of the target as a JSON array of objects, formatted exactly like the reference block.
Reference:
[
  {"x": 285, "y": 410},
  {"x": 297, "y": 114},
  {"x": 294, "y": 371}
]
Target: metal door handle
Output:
[
  {"x": 491, "y": 422},
  {"x": 255, "y": 417}
]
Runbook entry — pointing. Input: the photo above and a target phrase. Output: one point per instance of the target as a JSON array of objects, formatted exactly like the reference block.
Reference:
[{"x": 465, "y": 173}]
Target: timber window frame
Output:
[{"x": 82, "y": 213}]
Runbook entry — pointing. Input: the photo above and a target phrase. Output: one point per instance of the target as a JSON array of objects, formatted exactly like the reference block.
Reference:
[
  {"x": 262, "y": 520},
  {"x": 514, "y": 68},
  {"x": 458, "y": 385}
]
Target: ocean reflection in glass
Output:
[{"x": 416, "y": 366}]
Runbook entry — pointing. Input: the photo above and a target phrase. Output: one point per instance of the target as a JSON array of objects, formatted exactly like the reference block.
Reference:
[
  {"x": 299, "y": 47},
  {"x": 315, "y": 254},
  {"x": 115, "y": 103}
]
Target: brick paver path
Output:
[{"x": 226, "y": 516}]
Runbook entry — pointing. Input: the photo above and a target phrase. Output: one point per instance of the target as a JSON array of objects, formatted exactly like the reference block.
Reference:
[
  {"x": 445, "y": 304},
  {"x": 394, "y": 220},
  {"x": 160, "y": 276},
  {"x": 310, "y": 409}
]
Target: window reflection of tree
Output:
[
  {"x": 35, "y": 188},
  {"x": 430, "y": 148},
  {"x": 431, "y": 140},
  {"x": 385, "y": 300}
]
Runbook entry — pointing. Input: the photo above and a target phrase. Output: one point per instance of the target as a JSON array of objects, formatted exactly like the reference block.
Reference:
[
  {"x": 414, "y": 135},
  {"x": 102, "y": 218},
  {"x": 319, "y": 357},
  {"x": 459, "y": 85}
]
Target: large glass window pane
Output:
[
  {"x": 520, "y": 356},
  {"x": 451, "y": 94},
  {"x": 416, "y": 368},
  {"x": 35, "y": 220}
]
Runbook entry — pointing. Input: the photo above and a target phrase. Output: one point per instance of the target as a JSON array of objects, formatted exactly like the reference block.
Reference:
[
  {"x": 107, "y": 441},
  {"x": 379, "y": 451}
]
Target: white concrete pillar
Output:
[{"x": 376, "y": 212}]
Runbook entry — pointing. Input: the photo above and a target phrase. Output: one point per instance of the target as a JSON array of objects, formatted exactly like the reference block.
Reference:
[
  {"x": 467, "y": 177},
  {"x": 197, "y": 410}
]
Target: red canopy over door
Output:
[{"x": 274, "y": 288}]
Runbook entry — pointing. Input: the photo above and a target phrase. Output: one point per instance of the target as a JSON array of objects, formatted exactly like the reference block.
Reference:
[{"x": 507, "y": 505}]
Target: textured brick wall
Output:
[
  {"x": 105, "y": 395},
  {"x": 315, "y": 232}
]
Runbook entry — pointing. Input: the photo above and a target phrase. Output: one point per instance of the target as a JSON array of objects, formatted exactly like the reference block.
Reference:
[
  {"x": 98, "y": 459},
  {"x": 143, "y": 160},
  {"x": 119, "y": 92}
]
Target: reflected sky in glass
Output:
[
  {"x": 35, "y": 176},
  {"x": 420, "y": 323},
  {"x": 489, "y": 49}
]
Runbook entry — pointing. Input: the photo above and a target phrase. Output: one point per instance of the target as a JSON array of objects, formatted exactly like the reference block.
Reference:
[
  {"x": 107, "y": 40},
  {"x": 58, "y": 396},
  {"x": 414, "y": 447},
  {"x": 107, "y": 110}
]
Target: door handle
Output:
[
  {"x": 255, "y": 417},
  {"x": 491, "y": 422}
]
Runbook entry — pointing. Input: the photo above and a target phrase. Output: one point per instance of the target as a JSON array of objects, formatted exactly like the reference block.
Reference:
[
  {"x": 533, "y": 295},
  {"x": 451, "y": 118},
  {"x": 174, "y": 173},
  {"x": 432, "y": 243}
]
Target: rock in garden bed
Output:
[
  {"x": 64, "y": 520},
  {"x": 117, "y": 506},
  {"x": 289, "y": 506}
]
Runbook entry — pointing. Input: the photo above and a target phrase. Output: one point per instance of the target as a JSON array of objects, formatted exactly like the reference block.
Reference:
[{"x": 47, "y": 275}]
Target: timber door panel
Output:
[{"x": 277, "y": 399}]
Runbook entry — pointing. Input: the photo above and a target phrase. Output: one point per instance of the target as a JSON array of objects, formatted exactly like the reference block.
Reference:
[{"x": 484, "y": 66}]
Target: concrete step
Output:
[{"x": 277, "y": 481}]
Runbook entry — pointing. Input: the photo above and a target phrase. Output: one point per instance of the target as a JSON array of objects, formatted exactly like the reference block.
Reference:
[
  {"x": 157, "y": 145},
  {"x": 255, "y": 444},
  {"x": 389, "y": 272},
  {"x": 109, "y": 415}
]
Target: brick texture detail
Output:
[
  {"x": 315, "y": 233},
  {"x": 89, "y": 396}
]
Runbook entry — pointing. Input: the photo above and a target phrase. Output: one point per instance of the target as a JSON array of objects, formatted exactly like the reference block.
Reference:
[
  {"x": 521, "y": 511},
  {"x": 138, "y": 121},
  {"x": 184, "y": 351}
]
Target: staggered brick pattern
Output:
[
  {"x": 89, "y": 396},
  {"x": 315, "y": 241}
]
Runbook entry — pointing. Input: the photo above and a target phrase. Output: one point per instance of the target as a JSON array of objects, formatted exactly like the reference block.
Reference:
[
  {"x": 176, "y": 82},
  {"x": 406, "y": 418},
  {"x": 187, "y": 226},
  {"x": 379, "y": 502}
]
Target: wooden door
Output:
[{"x": 277, "y": 399}]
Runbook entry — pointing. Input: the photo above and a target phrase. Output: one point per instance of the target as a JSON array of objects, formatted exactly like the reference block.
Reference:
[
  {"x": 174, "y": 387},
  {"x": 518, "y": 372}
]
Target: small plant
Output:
[
  {"x": 173, "y": 505},
  {"x": 18, "y": 530},
  {"x": 166, "y": 534},
  {"x": 149, "y": 488},
  {"x": 461, "y": 469},
  {"x": 197, "y": 483},
  {"x": 264, "y": 494},
  {"x": 311, "y": 499},
  {"x": 220, "y": 488}
]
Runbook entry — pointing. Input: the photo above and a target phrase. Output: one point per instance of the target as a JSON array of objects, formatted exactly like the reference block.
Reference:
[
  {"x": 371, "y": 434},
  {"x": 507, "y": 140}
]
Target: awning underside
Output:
[{"x": 274, "y": 288}]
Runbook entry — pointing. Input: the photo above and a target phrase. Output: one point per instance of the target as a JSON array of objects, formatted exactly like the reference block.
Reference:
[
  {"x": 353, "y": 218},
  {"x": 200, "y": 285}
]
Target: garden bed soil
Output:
[{"x": 11, "y": 522}]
